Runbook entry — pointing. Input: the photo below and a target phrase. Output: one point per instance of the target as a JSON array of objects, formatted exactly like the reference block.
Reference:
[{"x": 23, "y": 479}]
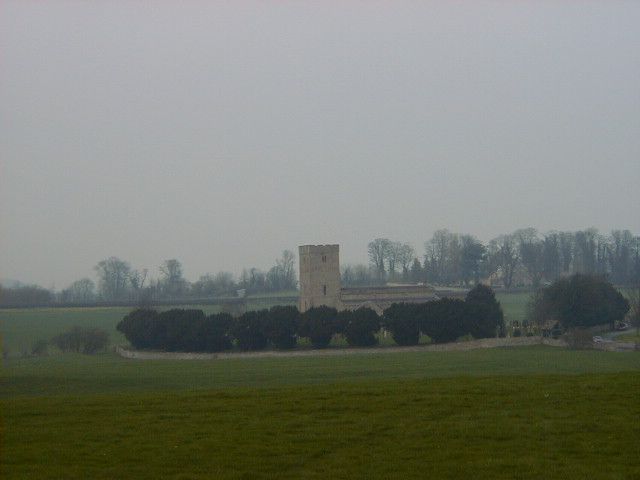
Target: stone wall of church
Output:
[{"x": 379, "y": 298}]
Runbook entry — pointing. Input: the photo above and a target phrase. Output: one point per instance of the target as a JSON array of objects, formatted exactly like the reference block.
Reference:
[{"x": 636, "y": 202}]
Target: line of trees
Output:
[
  {"x": 118, "y": 281},
  {"x": 522, "y": 258},
  {"x": 445, "y": 320}
]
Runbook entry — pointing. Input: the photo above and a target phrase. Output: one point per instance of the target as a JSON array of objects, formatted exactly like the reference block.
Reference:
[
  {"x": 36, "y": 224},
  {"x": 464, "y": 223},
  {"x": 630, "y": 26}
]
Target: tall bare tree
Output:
[
  {"x": 113, "y": 275},
  {"x": 531, "y": 251},
  {"x": 473, "y": 254},
  {"x": 81, "y": 291},
  {"x": 378, "y": 253},
  {"x": 504, "y": 257},
  {"x": 173, "y": 283},
  {"x": 406, "y": 255}
]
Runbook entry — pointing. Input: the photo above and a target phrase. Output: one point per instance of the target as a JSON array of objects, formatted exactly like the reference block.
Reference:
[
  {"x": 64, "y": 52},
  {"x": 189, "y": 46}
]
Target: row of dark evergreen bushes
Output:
[{"x": 445, "y": 320}]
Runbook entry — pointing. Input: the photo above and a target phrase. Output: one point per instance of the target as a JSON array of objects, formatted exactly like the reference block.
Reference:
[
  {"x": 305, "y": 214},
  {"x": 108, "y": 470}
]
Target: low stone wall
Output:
[
  {"x": 142, "y": 355},
  {"x": 408, "y": 293},
  {"x": 496, "y": 343},
  {"x": 444, "y": 347},
  {"x": 615, "y": 346}
]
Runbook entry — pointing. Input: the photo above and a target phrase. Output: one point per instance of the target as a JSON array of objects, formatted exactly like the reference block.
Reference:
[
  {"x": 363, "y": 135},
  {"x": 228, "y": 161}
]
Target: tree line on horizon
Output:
[
  {"x": 522, "y": 258},
  {"x": 118, "y": 281}
]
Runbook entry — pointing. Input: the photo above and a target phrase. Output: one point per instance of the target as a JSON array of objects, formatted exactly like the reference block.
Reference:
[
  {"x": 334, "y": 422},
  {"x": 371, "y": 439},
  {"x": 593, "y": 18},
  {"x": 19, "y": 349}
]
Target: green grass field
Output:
[
  {"x": 503, "y": 413},
  {"x": 21, "y": 328},
  {"x": 532, "y": 412},
  {"x": 497, "y": 427},
  {"x": 107, "y": 373},
  {"x": 514, "y": 305}
]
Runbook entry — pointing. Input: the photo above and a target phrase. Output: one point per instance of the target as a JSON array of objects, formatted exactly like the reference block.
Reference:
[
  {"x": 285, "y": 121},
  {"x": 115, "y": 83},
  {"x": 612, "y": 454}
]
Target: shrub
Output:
[
  {"x": 443, "y": 320},
  {"x": 484, "y": 316},
  {"x": 319, "y": 324},
  {"x": 282, "y": 326},
  {"x": 69, "y": 341},
  {"x": 465, "y": 338},
  {"x": 94, "y": 340},
  {"x": 249, "y": 330},
  {"x": 359, "y": 326},
  {"x": 215, "y": 332},
  {"x": 140, "y": 328},
  {"x": 401, "y": 320},
  {"x": 78, "y": 339},
  {"x": 39, "y": 348},
  {"x": 582, "y": 301},
  {"x": 179, "y": 330},
  {"x": 537, "y": 311}
]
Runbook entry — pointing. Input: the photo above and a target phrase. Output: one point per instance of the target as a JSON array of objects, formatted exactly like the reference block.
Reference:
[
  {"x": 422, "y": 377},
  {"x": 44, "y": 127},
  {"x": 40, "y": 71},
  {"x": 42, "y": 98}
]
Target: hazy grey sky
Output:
[{"x": 221, "y": 133}]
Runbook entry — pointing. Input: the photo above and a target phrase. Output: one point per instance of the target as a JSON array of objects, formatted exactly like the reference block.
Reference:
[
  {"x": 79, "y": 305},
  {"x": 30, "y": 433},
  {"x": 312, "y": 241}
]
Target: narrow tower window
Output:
[{"x": 324, "y": 289}]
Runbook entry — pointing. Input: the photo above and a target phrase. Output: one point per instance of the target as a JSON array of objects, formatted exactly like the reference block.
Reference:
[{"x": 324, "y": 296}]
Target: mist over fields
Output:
[
  {"x": 462, "y": 178},
  {"x": 221, "y": 134}
]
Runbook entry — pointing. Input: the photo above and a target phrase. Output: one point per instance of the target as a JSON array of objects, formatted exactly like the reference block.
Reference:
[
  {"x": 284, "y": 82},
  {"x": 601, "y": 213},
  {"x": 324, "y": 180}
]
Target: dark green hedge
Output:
[{"x": 443, "y": 320}]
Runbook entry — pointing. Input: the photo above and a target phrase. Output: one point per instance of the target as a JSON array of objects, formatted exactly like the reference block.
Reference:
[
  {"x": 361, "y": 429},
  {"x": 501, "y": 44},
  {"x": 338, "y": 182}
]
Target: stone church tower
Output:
[{"x": 319, "y": 276}]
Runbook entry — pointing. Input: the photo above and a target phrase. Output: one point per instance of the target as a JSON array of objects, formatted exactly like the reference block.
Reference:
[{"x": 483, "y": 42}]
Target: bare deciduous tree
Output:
[
  {"x": 378, "y": 254},
  {"x": 173, "y": 282},
  {"x": 113, "y": 275},
  {"x": 504, "y": 256}
]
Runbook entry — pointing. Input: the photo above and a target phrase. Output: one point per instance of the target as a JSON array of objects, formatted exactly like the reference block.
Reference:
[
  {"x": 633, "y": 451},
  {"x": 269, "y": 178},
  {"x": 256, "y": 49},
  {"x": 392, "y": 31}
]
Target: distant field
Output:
[
  {"x": 514, "y": 305},
  {"x": 21, "y": 328}
]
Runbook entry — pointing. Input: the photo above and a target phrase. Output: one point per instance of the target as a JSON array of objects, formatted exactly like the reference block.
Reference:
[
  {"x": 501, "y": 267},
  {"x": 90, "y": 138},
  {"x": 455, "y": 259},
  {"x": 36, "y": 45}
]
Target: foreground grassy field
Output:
[
  {"x": 21, "y": 328},
  {"x": 532, "y": 412},
  {"x": 462, "y": 427},
  {"x": 536, "y": 412}
]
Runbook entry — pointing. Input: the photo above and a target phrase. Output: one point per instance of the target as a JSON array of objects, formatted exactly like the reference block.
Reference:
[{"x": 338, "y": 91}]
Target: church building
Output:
[{"x": 320, "y": 285}]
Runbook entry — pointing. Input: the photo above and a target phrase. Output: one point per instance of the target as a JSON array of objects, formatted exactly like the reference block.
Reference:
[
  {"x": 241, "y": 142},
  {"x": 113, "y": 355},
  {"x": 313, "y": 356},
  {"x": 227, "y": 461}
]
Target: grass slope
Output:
[
  {"x": 463, "y": 427},
  {"x": 108, "y": 373}
]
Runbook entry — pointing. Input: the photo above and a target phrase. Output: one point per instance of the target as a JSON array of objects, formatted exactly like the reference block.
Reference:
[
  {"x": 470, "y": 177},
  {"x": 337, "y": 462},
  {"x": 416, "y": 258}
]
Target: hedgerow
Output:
[{"x": 443, "y": 320}]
